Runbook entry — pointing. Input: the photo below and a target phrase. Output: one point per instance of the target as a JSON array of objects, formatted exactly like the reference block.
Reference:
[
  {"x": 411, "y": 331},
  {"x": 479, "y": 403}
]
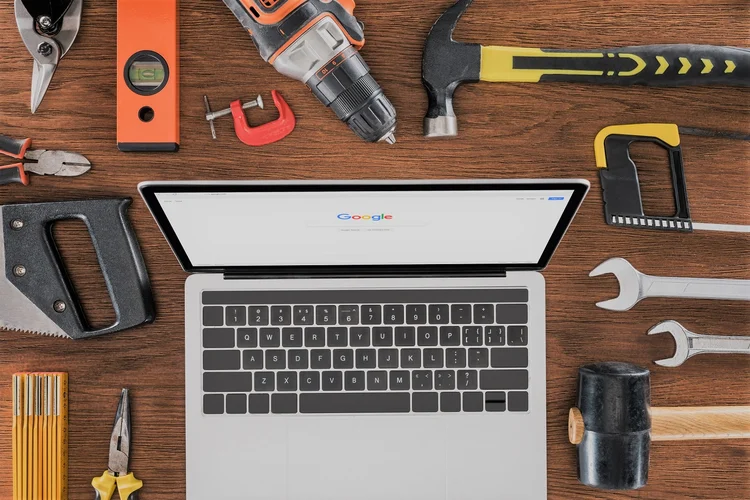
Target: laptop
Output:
[{"x": 365, "y": 340}]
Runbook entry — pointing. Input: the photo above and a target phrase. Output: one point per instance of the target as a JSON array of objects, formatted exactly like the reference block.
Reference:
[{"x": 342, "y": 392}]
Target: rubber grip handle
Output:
[
  {"x": 14, "y": 147},
  {"x": 653, "y": 65},
  {"x": 13, "y": 174},
  {"x": 46, "y": 282},
  {"x": 104, "y": 486}
]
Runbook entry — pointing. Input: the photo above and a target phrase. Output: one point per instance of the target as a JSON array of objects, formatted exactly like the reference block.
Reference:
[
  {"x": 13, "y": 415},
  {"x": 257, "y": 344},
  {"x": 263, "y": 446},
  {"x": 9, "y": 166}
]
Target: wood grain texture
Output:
[{"x": 507, "y": 131}]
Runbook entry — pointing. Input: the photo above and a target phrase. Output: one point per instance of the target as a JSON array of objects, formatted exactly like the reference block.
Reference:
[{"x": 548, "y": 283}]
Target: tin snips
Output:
[{"x": 48, "y": 29}]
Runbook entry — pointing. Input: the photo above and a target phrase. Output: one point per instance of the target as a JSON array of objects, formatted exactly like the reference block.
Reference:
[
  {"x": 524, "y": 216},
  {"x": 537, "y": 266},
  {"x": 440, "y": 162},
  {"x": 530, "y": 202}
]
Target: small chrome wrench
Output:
[
  {"x": 636, "y": 286},
  {"x": 690, "y": 344}
]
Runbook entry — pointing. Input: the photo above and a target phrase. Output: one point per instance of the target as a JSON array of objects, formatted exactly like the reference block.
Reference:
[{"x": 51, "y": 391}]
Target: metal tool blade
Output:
[
  {"x": 17, "y": 312},
  {"x": 60, "y": 163},
  {"x": 41, "y": 77},
  {"x": 119, "y": 443}
]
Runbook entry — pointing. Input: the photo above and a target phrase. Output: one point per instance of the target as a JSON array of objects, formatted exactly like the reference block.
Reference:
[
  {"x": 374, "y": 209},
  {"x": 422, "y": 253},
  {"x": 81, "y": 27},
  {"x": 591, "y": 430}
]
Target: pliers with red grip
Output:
[{"x": 38, "y": 161}]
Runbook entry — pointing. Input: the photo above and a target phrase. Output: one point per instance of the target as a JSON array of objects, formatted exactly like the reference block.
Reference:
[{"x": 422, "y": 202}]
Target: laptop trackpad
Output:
[{"x": 388, "y": 457}]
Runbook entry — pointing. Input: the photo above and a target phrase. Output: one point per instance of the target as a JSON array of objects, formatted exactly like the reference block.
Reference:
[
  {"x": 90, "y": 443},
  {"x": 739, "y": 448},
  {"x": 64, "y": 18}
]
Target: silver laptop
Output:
[{"x": 372, "y": 340}]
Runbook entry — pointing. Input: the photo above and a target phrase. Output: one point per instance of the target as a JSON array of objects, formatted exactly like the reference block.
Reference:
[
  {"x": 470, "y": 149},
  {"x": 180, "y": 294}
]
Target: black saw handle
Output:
[
  {"x": 46, "y": 283},
  {"x": 654, "y": 65}
]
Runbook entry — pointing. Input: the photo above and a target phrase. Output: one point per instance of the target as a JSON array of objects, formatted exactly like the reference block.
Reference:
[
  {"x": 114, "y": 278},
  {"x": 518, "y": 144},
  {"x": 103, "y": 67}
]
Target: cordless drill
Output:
[{"x": 317, "y": 42}]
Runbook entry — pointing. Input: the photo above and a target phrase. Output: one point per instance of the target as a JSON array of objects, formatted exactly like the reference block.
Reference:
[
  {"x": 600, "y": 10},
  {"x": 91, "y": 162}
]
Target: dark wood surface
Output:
[{"x": 507, "y": 131}]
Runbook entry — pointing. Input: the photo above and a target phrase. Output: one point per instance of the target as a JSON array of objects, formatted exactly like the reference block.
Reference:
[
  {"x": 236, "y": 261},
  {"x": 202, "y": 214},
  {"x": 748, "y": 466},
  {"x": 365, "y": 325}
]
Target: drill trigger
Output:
[{"x": 268, "y": 133}]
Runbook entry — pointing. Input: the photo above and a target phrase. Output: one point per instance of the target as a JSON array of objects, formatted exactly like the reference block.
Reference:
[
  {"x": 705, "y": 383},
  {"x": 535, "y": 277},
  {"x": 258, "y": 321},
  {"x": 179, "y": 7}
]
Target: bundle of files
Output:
[{"x": 40, "y": 436}]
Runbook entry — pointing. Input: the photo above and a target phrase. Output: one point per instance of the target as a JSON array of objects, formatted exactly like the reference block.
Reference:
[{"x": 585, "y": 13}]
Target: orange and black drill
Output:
[{"x": 317, "y": 42}]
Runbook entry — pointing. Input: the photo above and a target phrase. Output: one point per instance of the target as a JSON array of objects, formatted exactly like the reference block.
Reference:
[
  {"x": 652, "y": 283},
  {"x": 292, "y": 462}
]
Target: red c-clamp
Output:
[{"x": 268, "y": 133}]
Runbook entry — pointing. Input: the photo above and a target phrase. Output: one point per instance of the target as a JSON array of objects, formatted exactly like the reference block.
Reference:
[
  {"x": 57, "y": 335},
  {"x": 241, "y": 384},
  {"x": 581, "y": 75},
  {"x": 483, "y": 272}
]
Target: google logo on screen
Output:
[{"x": 374, "y": 218}]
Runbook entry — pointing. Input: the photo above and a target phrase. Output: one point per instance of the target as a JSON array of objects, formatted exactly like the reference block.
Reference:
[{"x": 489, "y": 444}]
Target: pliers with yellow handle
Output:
[{"x": 117, "y": 476}]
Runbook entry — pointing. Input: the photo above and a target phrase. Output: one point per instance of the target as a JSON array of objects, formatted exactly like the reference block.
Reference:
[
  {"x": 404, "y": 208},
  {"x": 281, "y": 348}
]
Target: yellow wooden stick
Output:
[
  {"x": 62, "y": 438},
  {"x": 17, "y": 429},
  {"x": 53, "y": 441}
]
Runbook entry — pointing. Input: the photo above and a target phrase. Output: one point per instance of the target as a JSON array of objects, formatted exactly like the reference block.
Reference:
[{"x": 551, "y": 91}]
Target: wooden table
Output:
[{"x": 507, "y": 131}]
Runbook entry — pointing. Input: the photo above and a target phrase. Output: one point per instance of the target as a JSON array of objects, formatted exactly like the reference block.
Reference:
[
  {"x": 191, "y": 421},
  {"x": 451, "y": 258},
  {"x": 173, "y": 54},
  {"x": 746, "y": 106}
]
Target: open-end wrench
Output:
[
  {"x": 690, "y": 344},
  {"x": 636, "y": 286}
]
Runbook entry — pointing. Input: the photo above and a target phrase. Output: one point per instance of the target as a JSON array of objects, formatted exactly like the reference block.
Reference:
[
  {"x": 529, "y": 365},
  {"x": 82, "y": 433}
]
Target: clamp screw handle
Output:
[{"x": 211, "y": 116}]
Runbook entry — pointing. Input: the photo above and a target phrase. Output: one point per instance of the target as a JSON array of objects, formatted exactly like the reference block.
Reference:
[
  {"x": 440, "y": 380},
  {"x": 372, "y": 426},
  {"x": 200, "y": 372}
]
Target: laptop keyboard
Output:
[{"x": 365, "y": 351}]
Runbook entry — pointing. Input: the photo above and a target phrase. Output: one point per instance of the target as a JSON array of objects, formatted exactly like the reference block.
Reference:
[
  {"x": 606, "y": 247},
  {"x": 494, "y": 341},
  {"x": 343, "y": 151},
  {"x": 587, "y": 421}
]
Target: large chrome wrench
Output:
[
  {"x": 636, "y": 286},
  {"x": 689, "y": 344}
]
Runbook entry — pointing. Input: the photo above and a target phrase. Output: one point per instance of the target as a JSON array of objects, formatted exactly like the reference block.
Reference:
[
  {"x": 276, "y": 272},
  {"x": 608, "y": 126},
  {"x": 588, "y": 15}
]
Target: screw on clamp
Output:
[{"x": 213, "y": 115}]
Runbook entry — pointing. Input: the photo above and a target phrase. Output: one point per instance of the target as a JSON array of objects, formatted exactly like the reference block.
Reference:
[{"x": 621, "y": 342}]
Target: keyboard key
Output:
[
  {"x": 421, "y": 380},
  {"x": 286, "y": 381},
  {"x": 518, "y": 401},
  {"x": 336, "y": 337},
  {"x": 393, "y": 315},
  {"x": 510, "y": 357},
  {"x": 450, "y": 402},
  {"x": 325, "y": 315},
  {"x": 382, "y": 336},
  {"x": 445, "y": 380},
  {"x": 291, "y": 337},
  {"x": 494, "y": 401},
  {"x": 281, "y": 315},
  {"x": 258, "y": 315},
  {"x": 213, "y": 404},
  {"x": 427, "y": 335},
  {"x": 309, "y": 381},
  {"x": 252, "y": 360},
  {"x": 221, "y": 360},
  {"x": 432, "y": 358},
  {"x": 406, "y": 336},
  {"x": 333, "y": 381},
  {"x": 466, "y": 380},
  {"x": 502, "y": 380},
  {"x": 354, "y": 381},
  {"x": 284, "y": 403},
  {"x": 416, "y": 315},
  {"x": 377, "y": 380},
  {"x": 297, "y": 359},
  {"x": 343, "y": 359},
  {"x": 213, "y": 316},
  {"x": 348, "y": 315},
  {"x": 411, "y": 358},
  {"x": 371, "y": 315},
  {"x": 264, "y": 382},
  {"x": 479, "y": 358},
  {"x": 218, "y": 338},
  {"x": 472, "y": 335},
  {"x": 461, "y": 314},
  {"x": 236, "y": 404},
  {"x": 247, "y": 337},
  {"x": 275, "y": 359},
  {"x": 387, "y": 358},
  {"x": 424, "y": 402},
  {"x": 455, "y": 358},
  {"x": 236, "y": 316},
  {"x": 399, "y": 380},
  {"x": 473, "y": 402},
  {"x": 258, "y": 404},
  {"x": 315, "y": 337},
  {"x": 450, "y": 335},
  {"x": 512, "y": 314},
  {"x": 320, "y": 359},
  {"x": 439, "y": 314},
  {"x": 270, "y": 337},
  {"x": 359, "y": 336},
  {"x": 494, "y": 335},
  {"x": 371, "y": 402},
  {"x": 303, "y": 315},
  {"x": 227, "y": 382},
  {"x": 484, "y": 314},
  {"x": 365, "y": 358},
  {"x": 518, "y": 335}
]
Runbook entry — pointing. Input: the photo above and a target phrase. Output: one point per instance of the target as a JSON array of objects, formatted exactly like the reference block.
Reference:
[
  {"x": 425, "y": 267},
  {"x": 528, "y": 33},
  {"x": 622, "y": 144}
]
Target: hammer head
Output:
[
  {"x": 446, "y": 64},
  {"x": 614, "y": 401}
]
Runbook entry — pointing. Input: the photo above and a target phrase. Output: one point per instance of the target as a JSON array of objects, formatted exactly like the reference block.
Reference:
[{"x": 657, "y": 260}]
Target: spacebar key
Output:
[{"x": 372, "y": 402}]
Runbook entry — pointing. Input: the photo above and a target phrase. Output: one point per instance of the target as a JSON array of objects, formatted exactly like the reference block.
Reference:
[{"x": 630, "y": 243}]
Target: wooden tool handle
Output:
[{"x": 684, "y": 424}]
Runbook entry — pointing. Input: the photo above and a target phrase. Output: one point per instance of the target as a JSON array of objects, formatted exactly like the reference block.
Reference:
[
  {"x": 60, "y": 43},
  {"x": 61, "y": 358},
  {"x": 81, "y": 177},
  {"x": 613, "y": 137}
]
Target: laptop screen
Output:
[{"x": 368, "y": 225}]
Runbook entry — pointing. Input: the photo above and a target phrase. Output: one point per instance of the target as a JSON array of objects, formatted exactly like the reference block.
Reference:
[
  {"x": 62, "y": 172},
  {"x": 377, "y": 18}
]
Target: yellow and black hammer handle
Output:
[{"x": 654, "y": 65}]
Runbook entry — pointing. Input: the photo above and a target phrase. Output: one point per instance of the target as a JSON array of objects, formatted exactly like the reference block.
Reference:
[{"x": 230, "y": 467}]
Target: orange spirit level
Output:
[{"x": 148, "y": 112}]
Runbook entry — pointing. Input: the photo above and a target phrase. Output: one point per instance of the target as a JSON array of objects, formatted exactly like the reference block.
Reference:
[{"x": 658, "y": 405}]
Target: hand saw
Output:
[{"x": 36, "y": 294}]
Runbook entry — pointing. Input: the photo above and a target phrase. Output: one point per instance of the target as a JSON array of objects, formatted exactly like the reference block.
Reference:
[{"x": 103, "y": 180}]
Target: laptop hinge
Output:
[{"x": 360, "y": 275}]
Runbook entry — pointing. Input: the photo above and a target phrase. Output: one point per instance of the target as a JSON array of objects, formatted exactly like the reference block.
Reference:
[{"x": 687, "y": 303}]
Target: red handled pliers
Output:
[{"x": 38, "y": 161}]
